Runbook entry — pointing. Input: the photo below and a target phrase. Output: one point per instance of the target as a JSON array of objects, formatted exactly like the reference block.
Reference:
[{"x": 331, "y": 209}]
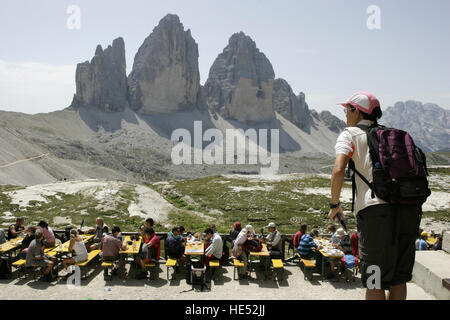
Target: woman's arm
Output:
[{"x": 71, "y": 244}]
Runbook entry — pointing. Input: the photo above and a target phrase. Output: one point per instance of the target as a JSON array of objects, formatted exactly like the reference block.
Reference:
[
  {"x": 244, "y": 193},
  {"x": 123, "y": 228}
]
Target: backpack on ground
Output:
[
  {"x": 349, "y": 261},
  {"x": 5, "y": 269},
  {"x": 225, "y": 255},
  {"x": 399, "y": 169}
]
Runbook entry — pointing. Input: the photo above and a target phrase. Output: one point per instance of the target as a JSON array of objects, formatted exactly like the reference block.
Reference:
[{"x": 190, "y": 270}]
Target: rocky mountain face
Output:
[
  {"x": 120, "y": 128},
  {"x": 240, "y": 82},
  {"x": 102, "y": 83},
  {"x": 331, "y": 121},
  {"x": 428, "y": 124},
  {"x": 290, "y": 106},
  {"x": 165, "y": 76}
]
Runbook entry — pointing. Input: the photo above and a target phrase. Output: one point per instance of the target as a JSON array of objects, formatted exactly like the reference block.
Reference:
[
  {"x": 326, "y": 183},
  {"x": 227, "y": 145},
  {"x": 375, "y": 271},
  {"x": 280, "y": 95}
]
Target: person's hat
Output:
[
  {"x": 249, "y": 228},
  {"x": 364, "y": 101},
  {"x": 340, "y": 232},
  {"x": 424, "y": 234},
  {"x": 273, "y": 225}
]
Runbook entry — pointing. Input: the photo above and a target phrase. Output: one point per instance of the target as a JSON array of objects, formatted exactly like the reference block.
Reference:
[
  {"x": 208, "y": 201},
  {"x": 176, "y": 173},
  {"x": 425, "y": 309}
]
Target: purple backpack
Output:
[{"x": 399, "y": 167}]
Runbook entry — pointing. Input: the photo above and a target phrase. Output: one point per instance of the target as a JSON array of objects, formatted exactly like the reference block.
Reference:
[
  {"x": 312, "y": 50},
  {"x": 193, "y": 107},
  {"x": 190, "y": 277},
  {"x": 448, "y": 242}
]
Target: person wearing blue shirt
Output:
[
  {"x": 309, "y": 250},
  {"x": 423, "y": 245}
]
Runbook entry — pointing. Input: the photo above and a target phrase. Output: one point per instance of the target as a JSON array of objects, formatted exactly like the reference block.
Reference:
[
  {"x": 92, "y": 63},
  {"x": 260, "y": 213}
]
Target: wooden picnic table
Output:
[
  {"x": 132, "y": 249},
  {"x": 264, "y": 256},
  {"x": 11, "y": 245},
  {"x": 326, "y": 255},
  {"x": 431, "y": 241},
  {"x": 194, "y": 249},
  {"x": 65, "y": 246}
]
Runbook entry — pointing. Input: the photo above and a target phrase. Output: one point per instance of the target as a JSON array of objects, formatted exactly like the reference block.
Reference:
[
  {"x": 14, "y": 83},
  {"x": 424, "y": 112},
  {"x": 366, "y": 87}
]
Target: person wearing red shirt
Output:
[
  {"x": 150, "y": 251},
  {"x": 299, "y": 234},
  {"x": 354, "y": 239}
]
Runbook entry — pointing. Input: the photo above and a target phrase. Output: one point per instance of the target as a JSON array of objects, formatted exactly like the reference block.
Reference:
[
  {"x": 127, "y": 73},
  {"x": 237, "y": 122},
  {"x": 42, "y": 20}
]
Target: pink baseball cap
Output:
[{"x": 364, "y": 101}]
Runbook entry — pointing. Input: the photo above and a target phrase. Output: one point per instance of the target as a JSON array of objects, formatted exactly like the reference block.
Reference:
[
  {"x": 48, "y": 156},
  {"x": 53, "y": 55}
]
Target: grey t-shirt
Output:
[
  {"x": 100, "y": 232},
  {"x": 34, "y": 251},
  {"x": 2, "y": 236}
]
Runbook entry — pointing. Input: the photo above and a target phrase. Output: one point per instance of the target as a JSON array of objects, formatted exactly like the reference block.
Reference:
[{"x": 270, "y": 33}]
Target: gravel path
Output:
[{"x": 294, "y": 288}]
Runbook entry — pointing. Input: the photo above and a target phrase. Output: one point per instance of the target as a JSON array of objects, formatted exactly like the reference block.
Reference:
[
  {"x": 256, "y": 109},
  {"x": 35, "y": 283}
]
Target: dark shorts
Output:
[{"x": 386, "y": 239}]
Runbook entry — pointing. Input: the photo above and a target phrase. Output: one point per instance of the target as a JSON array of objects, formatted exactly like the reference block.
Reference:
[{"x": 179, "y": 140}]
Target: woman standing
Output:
[{"x": 239, "y": 252}]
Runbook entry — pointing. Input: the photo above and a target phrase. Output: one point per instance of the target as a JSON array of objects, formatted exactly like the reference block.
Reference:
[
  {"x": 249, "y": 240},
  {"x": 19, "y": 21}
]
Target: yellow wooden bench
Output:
[
  {"x": 20, "y": 265},
  {"x": 153, "y": 270},
  {"x": 308, "y": 265},
  {"x": 278, "y": 267},
  {"x": 171, "y": 263},
  {"x": 214, "y": 265},
  {"x": 91, "y": 256},
  {"x": 106, "y": 266},
  {"x": 237, "y": 264}
]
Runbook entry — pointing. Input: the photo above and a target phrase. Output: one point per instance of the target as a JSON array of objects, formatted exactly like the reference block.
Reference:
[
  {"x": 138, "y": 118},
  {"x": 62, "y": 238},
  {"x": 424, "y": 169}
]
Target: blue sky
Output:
[{"x": 320, "y": 47}]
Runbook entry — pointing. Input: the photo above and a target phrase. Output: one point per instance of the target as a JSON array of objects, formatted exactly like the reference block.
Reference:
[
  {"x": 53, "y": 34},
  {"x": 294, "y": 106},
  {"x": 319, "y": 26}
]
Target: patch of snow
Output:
[
  {"x": 256, "y": 188},
  {"x": 149, "y": 204}
]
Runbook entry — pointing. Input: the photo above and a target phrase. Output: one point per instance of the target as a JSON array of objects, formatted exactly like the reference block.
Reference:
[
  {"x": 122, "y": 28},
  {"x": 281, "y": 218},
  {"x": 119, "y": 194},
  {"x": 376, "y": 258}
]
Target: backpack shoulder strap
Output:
[{"x": 373, "y": 143}]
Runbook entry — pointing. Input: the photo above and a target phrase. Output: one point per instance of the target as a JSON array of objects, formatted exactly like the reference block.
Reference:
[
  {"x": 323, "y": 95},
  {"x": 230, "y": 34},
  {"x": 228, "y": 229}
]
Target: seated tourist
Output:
[
  {"x": 30, "y": 236},
  {"x": 111, "y": 245},
  {"x": 16, "y": 229},
  {"x": 298, "y": 236},
  {"x": 334, "y": 238},
  {"x": 142, "y": 230},
  {"x": 37, "y": 257},
  {"x": 273, "y": 241},
  {"x": 355, "y": 246},
  {"x": 239, "y": 251},
  {"x": 344, "y": 244},
  {"x": 175, "y": 245},
  {"x": 2, "y": 236},
  {"x": 99, "y": 232},
  {"x": 212, "y": 226},
  {"x": 150, "y": 251},
  {"x": 235, "y": 232},
  {"x": 418, "y": 238},
  {"x": 76, "y": 244},
  {"x": 215, "y": 249},
  {"x": 438, "y": 244},
  {"x": 309, "y": 250},
  {"x": 49, "y": 236},
  {"x": 423, "y": 244},
  {"x": 149, "y": 223}
]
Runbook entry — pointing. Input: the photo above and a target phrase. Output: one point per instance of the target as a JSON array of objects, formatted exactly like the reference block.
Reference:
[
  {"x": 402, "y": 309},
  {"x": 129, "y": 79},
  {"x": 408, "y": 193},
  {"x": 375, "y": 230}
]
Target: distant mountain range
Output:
[
  {"x": 428, "y": 124},
  {"x": 119, "y": 126}
]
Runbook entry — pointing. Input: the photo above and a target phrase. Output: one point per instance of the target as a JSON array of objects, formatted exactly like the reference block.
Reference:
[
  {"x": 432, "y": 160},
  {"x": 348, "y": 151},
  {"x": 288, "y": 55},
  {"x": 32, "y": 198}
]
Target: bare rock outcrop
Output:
[
  {"x": 240, "y": 82},
  {"x": 291, "y": 107},
  {"x": 102, "y": 83},
  {"x": 165, "y": 76}
]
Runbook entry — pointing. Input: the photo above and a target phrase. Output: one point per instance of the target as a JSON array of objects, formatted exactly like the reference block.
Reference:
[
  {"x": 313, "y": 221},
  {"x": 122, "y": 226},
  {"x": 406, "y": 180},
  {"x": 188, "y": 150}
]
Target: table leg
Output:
[{"x": 323, "y": 266}]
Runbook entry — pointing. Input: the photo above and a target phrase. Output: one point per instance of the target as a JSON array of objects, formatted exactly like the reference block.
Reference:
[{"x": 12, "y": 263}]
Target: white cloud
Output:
[{"x": 33, "y": 87}]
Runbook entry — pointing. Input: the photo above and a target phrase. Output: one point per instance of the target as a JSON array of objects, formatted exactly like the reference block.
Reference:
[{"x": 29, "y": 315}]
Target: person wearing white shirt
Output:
[
  {"x": 215, "y": 250},
  {"x": 273, "y": 241}
]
